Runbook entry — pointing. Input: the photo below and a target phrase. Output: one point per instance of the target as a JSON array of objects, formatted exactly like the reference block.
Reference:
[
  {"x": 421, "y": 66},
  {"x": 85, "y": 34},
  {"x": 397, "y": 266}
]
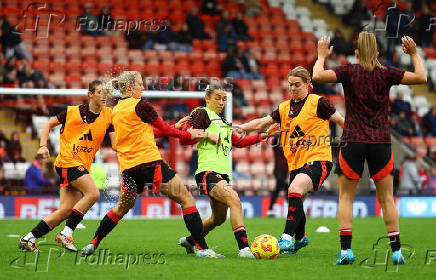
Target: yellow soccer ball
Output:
[{"x": 265, "y": 246}]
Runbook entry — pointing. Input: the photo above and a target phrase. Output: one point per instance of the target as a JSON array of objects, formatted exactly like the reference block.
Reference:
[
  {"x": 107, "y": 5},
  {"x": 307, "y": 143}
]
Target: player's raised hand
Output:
[
  {"x": 323, "y": 47},
  {"x": 408, "y": 45},
  {"x": 197, "y": 133},
  {"x": 181, "y": 123},
  {"x": 43, "y": 152}
]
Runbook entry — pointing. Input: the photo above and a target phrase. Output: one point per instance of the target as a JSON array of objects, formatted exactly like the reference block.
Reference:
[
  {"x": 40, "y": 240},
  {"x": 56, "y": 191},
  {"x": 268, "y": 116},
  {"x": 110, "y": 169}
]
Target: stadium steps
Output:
[
  {"x": 320, "y": 12},
  {"x": 423, "y": 90}
]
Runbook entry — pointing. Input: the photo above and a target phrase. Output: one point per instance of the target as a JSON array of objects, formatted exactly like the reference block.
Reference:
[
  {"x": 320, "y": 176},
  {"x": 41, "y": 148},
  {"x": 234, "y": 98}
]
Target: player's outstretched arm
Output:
[
  {"x": 256, "y": 124},
  {"x": 418, "y": 76},
  {"x": 166, "y": 130},
  {"x": 178, "y": 125},
  {"x": 43, "y": 151},
  {"x": 338, "y": 119},
  {"x": 241, "y": 142},
  {"x": 319, "y": 73}
]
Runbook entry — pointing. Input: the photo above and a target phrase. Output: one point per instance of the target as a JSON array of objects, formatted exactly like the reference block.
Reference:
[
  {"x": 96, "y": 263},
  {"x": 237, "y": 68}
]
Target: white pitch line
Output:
[{"x": 13, "y": 235}]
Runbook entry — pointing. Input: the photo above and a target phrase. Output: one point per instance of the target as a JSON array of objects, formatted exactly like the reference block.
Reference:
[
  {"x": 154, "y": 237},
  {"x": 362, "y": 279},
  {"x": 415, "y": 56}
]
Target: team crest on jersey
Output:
[
  {"x": 219, "y": 176},
  {"x": 81, "y": 168}
]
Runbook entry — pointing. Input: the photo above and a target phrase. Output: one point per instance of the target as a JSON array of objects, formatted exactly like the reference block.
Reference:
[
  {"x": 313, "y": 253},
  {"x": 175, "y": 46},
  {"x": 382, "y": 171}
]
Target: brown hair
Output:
[
  {"x": 302, "y": 73},
  {"x": 211, "y": 88},
  {"x": 367, "y": 47},
  {"x": 92, "y": 85}
]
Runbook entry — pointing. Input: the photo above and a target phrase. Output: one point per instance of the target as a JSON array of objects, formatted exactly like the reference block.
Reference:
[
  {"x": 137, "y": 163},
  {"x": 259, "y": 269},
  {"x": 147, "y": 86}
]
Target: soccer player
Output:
[
  {"x": 213, "y": 172},
  {"x": 141, "y": 164},
  {"x": 82, "y": 133},
  {"x": 366, "y": 133},
  {"x": 304, "y": 121}
]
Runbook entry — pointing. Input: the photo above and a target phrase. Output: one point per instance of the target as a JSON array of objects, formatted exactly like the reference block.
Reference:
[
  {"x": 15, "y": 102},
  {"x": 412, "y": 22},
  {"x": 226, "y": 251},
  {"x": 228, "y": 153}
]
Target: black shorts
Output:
[
  {"x": 352, "y": 156},
  {"x": 70, "y": 174},
  {"x": 318, "y": 171},
  {"x": 207, "y": 180},
  {"x": 151, "y": 174}
]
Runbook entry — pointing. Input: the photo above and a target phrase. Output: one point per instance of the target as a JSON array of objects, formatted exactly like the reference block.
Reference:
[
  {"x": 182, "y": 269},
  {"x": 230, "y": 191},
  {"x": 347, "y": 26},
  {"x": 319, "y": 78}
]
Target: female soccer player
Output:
[
  {"x": 213, "y": 172},
  {"x": 141, "y": 164},
  {"x": 304, "y": 121},
  {"x": 82, "y": 133},
  {"x": 366, "y": 133}
]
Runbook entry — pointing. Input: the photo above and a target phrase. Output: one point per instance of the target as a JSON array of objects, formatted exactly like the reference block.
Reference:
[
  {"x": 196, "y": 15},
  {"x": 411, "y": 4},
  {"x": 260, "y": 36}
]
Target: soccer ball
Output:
[{"x": 265, "y": 246}]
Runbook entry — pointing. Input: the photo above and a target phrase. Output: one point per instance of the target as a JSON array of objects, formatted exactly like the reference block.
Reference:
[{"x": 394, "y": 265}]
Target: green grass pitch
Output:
[{"x": 157, "y": 241}]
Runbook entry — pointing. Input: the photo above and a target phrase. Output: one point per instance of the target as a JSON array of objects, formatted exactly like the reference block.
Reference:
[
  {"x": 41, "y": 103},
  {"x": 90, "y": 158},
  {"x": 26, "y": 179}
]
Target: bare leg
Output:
[
  {"x": 225, "y": 194},
  {"x": 68, "y": 198},
  {"x": 86, "y": 185},
  {"x": 177, "y": 191},
  {"x": 218, "y": 217},
  {"x": 385, "y": 197},
  {"x": 347, "y": 191}
]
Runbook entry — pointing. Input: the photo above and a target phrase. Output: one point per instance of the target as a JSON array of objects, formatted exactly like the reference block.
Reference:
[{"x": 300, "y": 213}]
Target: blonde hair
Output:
[
  {"x": 367, "y": 47},
  {"x": 302, "y": 73},
  {"x": 124, "y": 81},
  {"x": 108, "y": 88}
]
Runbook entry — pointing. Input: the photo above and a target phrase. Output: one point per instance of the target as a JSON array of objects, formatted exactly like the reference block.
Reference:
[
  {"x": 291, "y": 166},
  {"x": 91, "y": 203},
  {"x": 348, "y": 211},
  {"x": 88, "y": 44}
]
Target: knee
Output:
[
  {"x": 93, "y": 196},
  {"x": 185, "y": 197},
  {"x": 295, "y": 189},
  {"x": 234, "y": 201},
  {"x": 385, "y": 200}
]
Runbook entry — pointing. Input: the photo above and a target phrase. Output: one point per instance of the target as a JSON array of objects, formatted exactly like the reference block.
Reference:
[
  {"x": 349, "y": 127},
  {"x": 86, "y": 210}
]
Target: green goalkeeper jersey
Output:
[{"x": 212, "y": 156}]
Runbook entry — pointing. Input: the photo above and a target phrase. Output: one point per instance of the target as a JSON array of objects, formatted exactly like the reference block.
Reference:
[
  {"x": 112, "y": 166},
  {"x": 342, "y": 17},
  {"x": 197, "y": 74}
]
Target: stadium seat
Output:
[{"x": 243, "y": 167}]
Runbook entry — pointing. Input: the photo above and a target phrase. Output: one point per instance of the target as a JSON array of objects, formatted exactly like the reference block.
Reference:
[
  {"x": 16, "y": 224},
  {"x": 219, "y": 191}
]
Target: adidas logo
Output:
[
  {"x": 86, "y": 136},
  {"x": 297, "y": 133}
]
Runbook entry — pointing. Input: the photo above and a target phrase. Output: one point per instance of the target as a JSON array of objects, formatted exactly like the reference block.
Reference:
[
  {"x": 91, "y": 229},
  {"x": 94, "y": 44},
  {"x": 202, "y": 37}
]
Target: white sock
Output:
[
  {"x": 29, "y": 237},
  {"x": 67, "y": 231},
  {"x": 343, "y": 252},
  {"x": 287, "y": 237}
]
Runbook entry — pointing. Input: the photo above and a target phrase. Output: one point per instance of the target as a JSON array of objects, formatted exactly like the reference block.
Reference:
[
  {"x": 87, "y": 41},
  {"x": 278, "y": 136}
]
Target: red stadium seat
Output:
[
  {"x": 72, "y": 65},
  {"x": 299, "y": 59},
  {"x": 430, "y": 141},
  {"x": 296, "y": 46},
  {"x": 417, "y": 141},
  {"x": 284, "y": 57}
]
